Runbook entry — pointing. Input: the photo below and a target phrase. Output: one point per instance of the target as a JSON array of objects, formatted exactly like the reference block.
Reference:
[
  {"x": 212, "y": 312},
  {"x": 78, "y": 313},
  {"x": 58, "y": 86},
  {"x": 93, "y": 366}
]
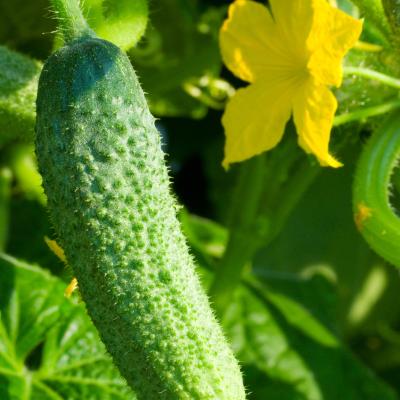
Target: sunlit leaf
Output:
[
  {"x": 122, "y": 22},
  {"x": 49, "y": 348},
  {"x": 292, "y": 354}
]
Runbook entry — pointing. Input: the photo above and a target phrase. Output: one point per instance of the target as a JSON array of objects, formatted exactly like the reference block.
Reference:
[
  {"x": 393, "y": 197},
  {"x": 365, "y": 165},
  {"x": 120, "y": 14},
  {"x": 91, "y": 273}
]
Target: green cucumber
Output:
[{"x": 110, "y": 201}]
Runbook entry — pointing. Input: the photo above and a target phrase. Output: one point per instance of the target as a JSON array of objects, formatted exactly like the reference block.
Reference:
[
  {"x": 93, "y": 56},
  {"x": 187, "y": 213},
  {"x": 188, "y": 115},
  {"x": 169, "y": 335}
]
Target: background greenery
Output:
[{"x": 317, "y": 314}]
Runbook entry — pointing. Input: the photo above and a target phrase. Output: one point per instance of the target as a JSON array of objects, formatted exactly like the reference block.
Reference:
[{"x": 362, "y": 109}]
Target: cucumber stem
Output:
[
  {"x": 5, "y": 193},
  {"x": 364, "y": 113},
  {"x": 374, "y": 215},
  {"x": 268, "y": 190},
  {"x": 71, "y": 20},
  {"x": 242, "y": 241},
  {"x": 374, "y": 75},
  {"x": 396, "y": 180}
]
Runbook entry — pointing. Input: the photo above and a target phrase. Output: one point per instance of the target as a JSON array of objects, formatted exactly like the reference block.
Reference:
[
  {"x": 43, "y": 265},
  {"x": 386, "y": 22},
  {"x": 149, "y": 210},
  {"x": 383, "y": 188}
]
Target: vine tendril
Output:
[{"x": 374, "y": 215}]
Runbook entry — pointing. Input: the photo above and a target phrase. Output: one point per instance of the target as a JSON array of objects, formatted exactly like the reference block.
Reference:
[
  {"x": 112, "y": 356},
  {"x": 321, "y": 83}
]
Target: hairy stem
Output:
[
  {"x": 243, "y": 233},
  {"x": 364, "y": 113},
  {"x": 374, "y": 75},
  {"x": 374, "y": 215},
  {"x": 71, "y": 20}
]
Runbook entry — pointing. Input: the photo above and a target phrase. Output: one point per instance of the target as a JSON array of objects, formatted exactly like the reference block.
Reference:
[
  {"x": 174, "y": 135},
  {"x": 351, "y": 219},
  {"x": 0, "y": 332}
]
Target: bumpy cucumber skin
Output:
[{"x": 109, "y": 199}]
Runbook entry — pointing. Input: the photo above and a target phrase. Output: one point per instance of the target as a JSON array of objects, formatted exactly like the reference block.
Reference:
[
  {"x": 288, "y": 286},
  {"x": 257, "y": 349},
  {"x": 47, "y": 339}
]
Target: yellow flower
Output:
[{"x": 290, "y": 54}]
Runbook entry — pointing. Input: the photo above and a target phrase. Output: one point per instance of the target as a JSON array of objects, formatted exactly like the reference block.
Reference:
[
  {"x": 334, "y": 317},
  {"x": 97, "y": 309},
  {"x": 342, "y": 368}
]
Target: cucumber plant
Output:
[
  {"x": 375, "y": 217},
  {"x": 109, "y": 199},
  {"x": 18, "y": 83}
]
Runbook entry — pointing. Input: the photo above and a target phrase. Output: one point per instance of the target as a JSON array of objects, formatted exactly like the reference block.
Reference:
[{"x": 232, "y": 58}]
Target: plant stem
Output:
[
  {"x": 374, "y": 75},
  {"x": 5, "y": 189},
  {"x": 71, "y": 20},
  {"x": 396, "y": 180},
  {"x": 243, "y": 233},
  {"x": 267, "y": 192},
  {"x": 291, "y": 193},
  {"x": 366, "y": 112},
  {"x": 370, "y": 47},
  {"x": 374, "y": 214}
]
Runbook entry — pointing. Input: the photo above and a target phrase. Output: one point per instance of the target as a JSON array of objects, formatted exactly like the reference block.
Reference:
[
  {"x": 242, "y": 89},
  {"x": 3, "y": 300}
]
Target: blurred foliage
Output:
[
  {"x": 317, "y": 315},
  {"x": 175, "y": 60},
  {"x": 27, "y": 26},
  {"x": 374, "y": 12},
  {"x": 19, "y": 77},
  {"x": 122, "y": 22},
  {"x": 282, "y": 327}
]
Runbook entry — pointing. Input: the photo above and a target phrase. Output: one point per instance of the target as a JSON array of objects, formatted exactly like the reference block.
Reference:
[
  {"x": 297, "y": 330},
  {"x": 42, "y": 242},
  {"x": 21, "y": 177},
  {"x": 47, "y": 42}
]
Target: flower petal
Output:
[
  {"x": 332, "y": 35},
  {"x": 294, "y": 20},
  {"x": 249, "y": 41},
  {"x": 255, "y": 119},
  {"x": 314, "y": 107}
]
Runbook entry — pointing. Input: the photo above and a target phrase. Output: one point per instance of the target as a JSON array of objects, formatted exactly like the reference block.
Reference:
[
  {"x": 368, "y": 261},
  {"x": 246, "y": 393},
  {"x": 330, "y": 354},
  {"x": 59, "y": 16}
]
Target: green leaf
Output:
[
  {"x": 203, "y": 234},
  {"x": 49, "y": 348},
  {"x": 22, "y": 161},
  {"x": 283, "y": 327},
  {"x": 122, "y": 22},
  {"x": 19, "y": 77},
  {"x": 315, "y": 290},
  {"x": 373, "y": 11},
  {"x": 292, "y": 354}
]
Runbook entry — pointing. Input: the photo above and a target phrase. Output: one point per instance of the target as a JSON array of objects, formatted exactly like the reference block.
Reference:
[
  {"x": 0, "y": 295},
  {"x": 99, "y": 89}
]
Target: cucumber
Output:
[{"x": 110, "y": 202}]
